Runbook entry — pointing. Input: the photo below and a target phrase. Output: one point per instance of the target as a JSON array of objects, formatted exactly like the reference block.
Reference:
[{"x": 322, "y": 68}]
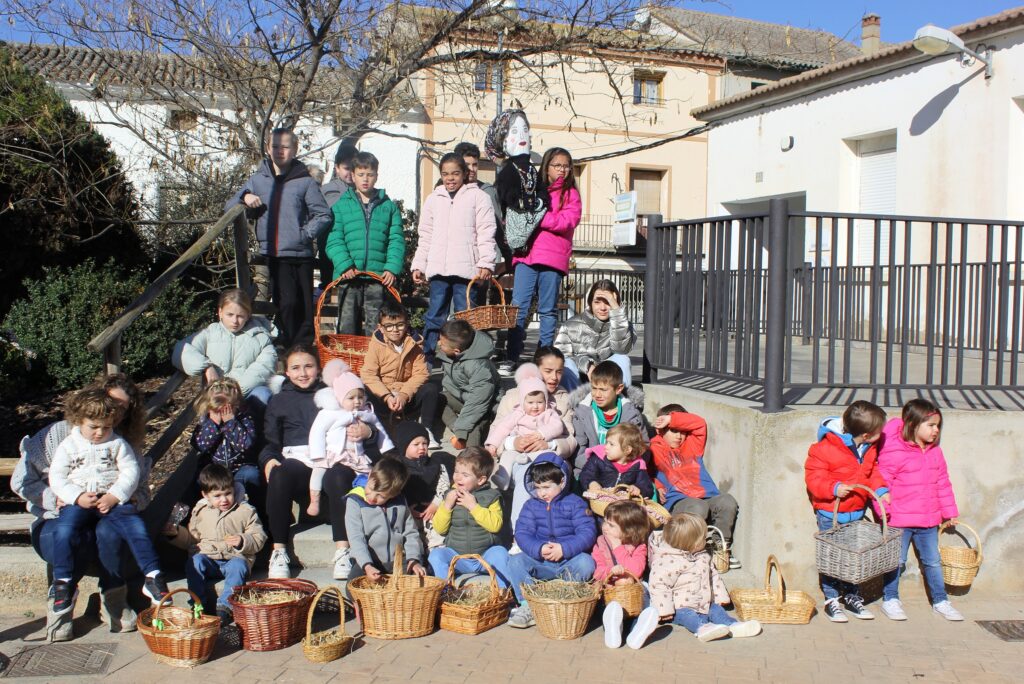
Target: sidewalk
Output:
[{"x": 925, "y": 648}]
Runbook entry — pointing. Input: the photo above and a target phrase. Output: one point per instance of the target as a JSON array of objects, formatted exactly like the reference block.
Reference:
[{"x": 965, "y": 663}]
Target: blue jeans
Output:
[
  {"x": 524, "y": 569},
  {"x": 444, "y": 291},
  {"x": 830, "y": 586},
  {"x": 200, "y": 570},
  {"x": 926, "y": 543},
  {"x": 84, "y": 552},
  {"x": 692, "y": 620},
  {"x": 121, "y": 524},
  {"x": 496, "y": 556},
  {"x": 571, "y": 376},
  {"x": 544, "y": 282}
]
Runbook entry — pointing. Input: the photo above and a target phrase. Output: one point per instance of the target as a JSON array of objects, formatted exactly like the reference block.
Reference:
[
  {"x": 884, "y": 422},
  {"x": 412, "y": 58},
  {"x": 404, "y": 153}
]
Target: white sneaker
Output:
[
  {"x": 432, "y": 442},
  {"x": 612, "y": 620},
  {"x": 747, "y": 628},
  {"x": 644, "y": 626},
  {"x": 279, "y": 565},
  {"x": 946, "y": 610},
  {"x": 506, "y": 369},
  {"x": 342, "y": 564},
  {"x": 711, "y": 631},
  {"x": 893, "y": 609}
]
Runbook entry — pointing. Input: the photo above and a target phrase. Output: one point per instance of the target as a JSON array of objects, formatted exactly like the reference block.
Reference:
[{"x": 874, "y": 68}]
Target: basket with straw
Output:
[
  {"x": 960, "y": 563},
  {"x": 630, "y": 596},
  {"x": 489, "y": 316},
  {"x": 473, "y": 608},
  {"x": 349, "y": 348},
  {"x": 270, "y": 612},
  {"x": 599, "y": 500},
  {"x": 398, "y": 606},
  {"x": 860, "y": 550},
  {"x": 330, "y": 644},
  {"x": 178, "y": 636},
  {"x": 562, "y": 608},
  {"x": 719, "y": 549},
  {"x": 776, "y": 605}
]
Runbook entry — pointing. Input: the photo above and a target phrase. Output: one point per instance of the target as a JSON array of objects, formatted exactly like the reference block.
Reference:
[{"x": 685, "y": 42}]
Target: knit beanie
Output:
[
  {"x": 339, "y": 377},
  {"x": 529, "y": 380},
  {"x": 494, "y": 141},
  {"x": 404, "y": 432}
]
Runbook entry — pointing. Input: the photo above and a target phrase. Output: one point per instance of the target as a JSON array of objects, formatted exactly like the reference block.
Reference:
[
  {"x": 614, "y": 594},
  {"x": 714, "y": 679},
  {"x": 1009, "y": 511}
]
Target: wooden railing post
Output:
[{"x": 112, "y": 356}]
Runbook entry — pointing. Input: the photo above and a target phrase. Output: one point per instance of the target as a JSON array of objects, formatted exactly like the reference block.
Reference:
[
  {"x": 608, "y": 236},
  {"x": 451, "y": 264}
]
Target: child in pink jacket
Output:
[
  {"x": 620, "y": 557},
  {"x": 456, "y": 244},
  {"x": 535, "y": 414},
  {"x": 921, "y": 497}
]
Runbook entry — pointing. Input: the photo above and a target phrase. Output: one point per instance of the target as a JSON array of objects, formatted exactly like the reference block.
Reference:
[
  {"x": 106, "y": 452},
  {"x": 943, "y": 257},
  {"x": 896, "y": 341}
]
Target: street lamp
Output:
[{"x": 932, "y": 40}]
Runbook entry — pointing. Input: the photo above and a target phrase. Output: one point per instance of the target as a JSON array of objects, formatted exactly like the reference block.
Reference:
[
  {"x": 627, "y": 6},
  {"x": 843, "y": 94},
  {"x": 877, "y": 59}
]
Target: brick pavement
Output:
[{"x": 925, "y": 648}]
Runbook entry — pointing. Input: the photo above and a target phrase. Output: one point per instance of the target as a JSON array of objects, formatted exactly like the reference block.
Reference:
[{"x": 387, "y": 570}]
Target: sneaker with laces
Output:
[
  {"x": 342, "y": 564},
  {"x": 280, "y": 565},
  {"x": 155, "y": 587},
  {"x": 946, "y": 610},
  {"x": 63, "y": 595},
  {"x": 644, "y": 626},
  {"x": 747, "y": 628},
  {"x": 834, "y": 611},
  {"x": 893, "y": 609},
  {"x": 432, "y": 441},
  {"x": 612, "y": 621},
  {"x": 711, "y": 631},
  {"x": 506, "y": 369},
  {"x": 855, "y": 606},
  {"x": 521, "y": 617},
  {"x": 734, "y": 562}
]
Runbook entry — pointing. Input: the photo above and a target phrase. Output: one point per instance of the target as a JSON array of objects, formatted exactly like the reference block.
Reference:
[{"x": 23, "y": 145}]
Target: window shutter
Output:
[
  {"x": 648, "y": 190},
  {"x": 877, "y": 196}
]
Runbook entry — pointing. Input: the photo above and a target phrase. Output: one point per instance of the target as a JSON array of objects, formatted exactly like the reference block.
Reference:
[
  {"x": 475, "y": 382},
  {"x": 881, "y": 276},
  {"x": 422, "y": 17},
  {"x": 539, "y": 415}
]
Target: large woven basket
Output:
[
  {"x": 477, "y": 617},
  {"x": 629, "y": 596},
  {"x": 331, "y": 644},
  {"x": 719, "y": 550},
  {"x": 960, "y": 564},
  {"x": 562, "y": 619},
  {"x": 599, "y": 500},
  {"x": 776, "y": 605},
  {"x": 398, "y": 606},
  {"x": 489, "y": 316},
  {"x": 176, "y": 636},
  {"x": 349, "y": 348},
  {"x": 860, "y": 550},
  {"x": 272, "y": 626}
]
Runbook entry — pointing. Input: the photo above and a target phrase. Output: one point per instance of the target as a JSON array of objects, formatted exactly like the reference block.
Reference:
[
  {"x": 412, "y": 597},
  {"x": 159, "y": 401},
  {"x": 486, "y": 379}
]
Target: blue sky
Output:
[{"x": 900, "y": 18}]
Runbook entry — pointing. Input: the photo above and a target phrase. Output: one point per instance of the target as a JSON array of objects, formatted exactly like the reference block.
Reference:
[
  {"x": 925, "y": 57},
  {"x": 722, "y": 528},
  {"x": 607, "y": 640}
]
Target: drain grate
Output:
[
  {"x": 1007, "y": 630},
  {"x": 58, "y": 660}
]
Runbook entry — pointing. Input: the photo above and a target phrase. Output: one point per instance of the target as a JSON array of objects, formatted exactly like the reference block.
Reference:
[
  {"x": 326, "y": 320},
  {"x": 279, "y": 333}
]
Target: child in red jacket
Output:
[
  {"x": 845, "y": 455},
  {"x": 683, "y": 483}
]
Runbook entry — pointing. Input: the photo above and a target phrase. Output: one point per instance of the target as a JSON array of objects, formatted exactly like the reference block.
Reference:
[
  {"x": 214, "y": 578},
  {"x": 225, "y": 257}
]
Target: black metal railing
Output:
[{"x": 803, "y": 300}]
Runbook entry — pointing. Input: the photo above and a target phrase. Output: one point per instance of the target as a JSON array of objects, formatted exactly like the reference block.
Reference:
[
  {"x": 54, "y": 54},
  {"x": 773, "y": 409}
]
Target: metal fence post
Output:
[
  {"x": 775, "y": 330},
  {"x": 652, "y": 280}
]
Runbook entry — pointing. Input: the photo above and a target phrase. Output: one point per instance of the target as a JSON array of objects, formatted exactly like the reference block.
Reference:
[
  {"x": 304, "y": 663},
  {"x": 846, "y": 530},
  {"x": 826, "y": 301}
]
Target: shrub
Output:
[
  {"x": 67, "y": 307},
  {"x": 16, "y": 366}
]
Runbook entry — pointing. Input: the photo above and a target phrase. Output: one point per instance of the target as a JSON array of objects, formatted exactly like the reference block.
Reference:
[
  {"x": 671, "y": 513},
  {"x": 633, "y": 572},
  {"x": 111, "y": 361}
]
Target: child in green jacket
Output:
[
  {"x": 469, "y": 382},
  {"x": 367, "y": 236}
]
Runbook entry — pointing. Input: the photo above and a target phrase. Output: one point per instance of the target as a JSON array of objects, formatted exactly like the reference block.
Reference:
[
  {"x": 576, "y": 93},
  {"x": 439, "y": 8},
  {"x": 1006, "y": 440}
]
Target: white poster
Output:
[{"x": 624, "y": 228}]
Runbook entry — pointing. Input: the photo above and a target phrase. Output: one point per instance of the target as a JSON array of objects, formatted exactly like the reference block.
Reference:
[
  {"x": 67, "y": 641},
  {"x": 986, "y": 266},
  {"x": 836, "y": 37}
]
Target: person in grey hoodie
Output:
[
  {"x": 291, "y": 213},
  {"x": 333, "y": 190},
  {"x": 469, "y": 381}
]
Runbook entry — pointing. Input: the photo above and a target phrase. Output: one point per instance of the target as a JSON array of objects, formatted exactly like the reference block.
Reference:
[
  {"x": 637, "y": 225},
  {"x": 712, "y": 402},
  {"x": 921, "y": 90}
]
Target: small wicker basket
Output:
[
  {"x": 489, "y": 316},
  {"x": 349, "y": 348},
  {"x": 629, "y": 596},
  {"x": 562, "y": 619},
  {"x": 600, "y": 498},
  {"x": 272, "y": 626},
  {"x": 860, "y": 550},
  {"x": 398, "y": 606},
  {"x": 960, "y": 564},
  {"x": 719, "y": 550},
  {"x": 773, "y": 605},
  {"x": 478, "y": 617},
  {"x": 331, "y": 644},
  {"x": 176, "y": 636}
]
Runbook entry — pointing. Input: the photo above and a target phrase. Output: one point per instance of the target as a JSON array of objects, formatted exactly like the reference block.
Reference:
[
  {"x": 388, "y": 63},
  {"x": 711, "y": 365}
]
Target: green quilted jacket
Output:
[{"x": 376, "y": 245}]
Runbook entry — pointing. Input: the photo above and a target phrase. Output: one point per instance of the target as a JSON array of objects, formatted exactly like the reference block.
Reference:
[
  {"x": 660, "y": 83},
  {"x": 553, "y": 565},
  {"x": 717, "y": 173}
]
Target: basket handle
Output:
[
  {"x": 725, "y": 546},
  {"x": 479, "y": 559},
  {"x": 316, "y": 600},
  {"x": 469, "y": 289},
  {"x": 977, "y": 537},
  {"x": 606, "y": 583},
  {"x": 780, "y": 592},
  {"x": 881, "y": 506},
  {"x": 167, "y": 597},
  {"x": 397, "y": 567},
  {"x": 325, "y": 296}
]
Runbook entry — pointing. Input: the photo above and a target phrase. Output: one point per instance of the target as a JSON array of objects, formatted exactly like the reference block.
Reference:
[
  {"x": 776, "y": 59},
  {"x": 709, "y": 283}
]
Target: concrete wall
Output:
[{"x": 759, "y": 459}]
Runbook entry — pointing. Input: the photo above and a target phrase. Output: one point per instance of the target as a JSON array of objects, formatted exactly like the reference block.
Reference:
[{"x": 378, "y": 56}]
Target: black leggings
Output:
[{"x": 289, "y": 482}]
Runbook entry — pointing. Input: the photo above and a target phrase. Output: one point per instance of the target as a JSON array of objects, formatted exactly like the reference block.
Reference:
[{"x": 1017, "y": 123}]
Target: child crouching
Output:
[{"x": 684, "y": 584}]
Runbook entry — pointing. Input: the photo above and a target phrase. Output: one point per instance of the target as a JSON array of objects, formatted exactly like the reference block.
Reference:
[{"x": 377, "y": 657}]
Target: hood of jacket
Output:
[
  {"x": 296, "y": 170},
  {"x": 481, "y": 348},
  {"x": 550, "y": 457}
]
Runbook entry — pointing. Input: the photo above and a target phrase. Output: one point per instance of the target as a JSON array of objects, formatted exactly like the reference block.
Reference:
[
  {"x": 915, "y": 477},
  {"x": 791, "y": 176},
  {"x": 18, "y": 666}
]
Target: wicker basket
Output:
[
  {"x": 773, "y": 605},
  {"x": 176, "y": 636},
  {"x": 960, "y": 564},
  {"x": 489, "y": 316},
  {"x": 349, "y": 348},
  {"x": 858, "y": 551},
  {"x": 562, "y": 619},
  {"x": 400, "y": 606},
  {"x": 330, "y": 644},
  {"x": 600, "y": 498},
  {"x": 719, "y": 550},
  {"x": 273, "y": 626},
  {"x": 629, "y": 596},
  {"x": 479, "y": 617}
]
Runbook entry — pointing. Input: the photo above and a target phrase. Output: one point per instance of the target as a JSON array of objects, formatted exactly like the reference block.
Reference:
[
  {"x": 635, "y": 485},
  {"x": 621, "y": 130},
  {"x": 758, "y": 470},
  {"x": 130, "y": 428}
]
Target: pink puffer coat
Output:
[
  {"x": 551, "y": 244},
  {"x": 456, "y": 235},
  {"x": 919, "y": 487}
]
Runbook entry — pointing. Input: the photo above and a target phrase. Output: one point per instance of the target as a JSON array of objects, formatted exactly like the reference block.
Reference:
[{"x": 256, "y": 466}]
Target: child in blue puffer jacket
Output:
[{"x": 555, "y": 531}]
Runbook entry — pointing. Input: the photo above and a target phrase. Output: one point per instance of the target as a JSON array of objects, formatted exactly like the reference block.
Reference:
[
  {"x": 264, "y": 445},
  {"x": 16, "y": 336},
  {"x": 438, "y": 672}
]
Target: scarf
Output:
[{"x": 604, "y": 425}]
